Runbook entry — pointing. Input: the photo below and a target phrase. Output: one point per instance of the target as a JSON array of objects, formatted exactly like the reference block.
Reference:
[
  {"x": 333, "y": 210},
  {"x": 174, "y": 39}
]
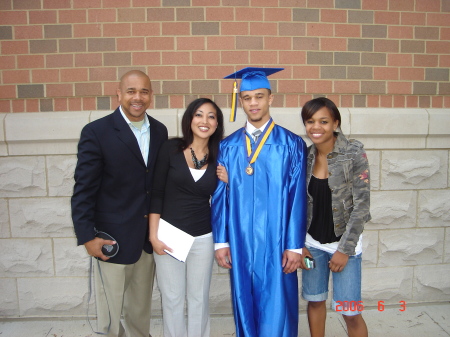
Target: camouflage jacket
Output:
[{"x": 350, "y": 190}]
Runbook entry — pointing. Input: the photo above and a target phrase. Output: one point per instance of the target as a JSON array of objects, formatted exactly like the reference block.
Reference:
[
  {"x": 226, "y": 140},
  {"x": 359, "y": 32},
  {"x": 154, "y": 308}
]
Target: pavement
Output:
[{"x": 415, "y": 321}]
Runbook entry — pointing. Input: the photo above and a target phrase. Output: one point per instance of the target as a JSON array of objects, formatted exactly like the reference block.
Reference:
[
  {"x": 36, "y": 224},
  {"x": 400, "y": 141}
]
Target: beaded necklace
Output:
[{"x": 198, "y": 164}]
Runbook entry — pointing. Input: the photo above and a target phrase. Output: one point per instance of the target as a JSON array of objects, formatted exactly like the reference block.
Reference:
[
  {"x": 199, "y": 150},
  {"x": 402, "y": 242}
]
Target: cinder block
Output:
[
  {"x": 447, "y": 246},
  {"x": 22, "y": 176},
  {"x": 57, "y": 296},
  {"x": 41, "y": 217},
  {"x": 10, "y": 302},
  {"x": 26, "y": 258},
  {"x": 70, "y": 259},
  {"x": 411, "y": 247},
  {"x": 438, "y": 131},
  {"x": 60, "y": 171},
  {"x": 370, "y": 248},
  {"x": 374, "y": 167},
  {"x": 389, "y": 285},
  {"x": 5, "y": 231},
  {"x": 44, "y": 133},
  {"x": 407, "y": 170},
  {"x": 395, "y": 209},
  {"x": 378, "y": 128},
  {"x": 434, "y": 208},
  {"x": 97, "y": 114},
  {"x": 432, "y": 283},
  {"x": 169, "y": 118},
  {"x": 288, "y": 118}
]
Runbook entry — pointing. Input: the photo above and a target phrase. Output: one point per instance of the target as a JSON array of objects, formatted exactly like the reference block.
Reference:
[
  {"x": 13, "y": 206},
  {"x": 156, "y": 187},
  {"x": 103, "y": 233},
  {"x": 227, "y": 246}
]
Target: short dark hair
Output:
[
  {"x": 188, "y": 136},
  {"x": 314, "y": 105}
]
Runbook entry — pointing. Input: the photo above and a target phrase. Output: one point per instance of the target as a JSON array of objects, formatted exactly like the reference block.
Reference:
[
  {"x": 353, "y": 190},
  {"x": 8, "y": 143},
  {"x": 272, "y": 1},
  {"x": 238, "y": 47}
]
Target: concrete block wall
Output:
[{"x": 406, "y": 256}]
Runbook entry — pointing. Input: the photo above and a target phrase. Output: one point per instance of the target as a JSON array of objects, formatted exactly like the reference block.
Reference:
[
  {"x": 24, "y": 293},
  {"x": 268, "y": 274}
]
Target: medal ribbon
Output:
[{"x": 253, "y": 155}]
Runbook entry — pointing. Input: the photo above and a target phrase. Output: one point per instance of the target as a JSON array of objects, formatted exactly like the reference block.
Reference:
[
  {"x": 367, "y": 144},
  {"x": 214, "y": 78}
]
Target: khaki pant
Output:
[{"x": 128, "y": 289}]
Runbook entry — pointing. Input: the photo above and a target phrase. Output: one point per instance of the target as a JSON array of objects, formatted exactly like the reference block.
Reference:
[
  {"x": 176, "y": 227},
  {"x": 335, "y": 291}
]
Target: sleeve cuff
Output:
[{"x": 221, "y": 245}]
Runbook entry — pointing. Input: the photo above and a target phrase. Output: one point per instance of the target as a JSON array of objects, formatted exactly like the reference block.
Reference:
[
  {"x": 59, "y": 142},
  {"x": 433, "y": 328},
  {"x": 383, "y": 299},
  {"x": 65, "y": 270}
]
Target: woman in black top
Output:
[
  {"x": 338, "y": 207},
  {"x": 185, "y": 177}
]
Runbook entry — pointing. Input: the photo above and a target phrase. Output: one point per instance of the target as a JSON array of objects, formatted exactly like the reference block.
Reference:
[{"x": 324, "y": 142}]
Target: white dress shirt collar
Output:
[{"x": 250, "y": 128}]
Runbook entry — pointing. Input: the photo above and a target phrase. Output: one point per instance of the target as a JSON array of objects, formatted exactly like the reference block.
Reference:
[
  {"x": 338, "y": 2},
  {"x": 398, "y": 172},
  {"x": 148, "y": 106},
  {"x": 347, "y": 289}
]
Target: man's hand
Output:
[
  {"x": 338, "y": 262},
  {"x": 223, "y": 257},
  {"x": 94, "y": 247},
  {"x": 291, "y": 261}
]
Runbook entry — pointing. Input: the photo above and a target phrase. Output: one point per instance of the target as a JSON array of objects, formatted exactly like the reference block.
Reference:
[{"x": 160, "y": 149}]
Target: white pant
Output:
[
  {"x": 128, "y": 290},
  {"x": 190, "y": 280}
]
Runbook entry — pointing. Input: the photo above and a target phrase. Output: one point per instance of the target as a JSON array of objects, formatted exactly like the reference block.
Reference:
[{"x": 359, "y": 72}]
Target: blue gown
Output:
[{"x": 260, "y": 216}]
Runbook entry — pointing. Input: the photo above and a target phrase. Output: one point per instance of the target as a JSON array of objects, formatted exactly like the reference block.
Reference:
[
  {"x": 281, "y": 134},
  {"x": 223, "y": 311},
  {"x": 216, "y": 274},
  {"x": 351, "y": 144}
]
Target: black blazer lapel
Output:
[{"x": 125, "y": 134}]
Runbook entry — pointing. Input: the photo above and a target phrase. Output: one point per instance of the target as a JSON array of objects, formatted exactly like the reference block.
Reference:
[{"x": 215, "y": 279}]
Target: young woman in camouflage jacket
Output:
[{"x": 338, "y": 207}]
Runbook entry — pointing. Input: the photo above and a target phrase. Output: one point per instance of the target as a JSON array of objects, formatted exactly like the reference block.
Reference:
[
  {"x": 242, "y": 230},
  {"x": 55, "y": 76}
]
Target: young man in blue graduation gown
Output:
[{"x": 259, "y": 217}]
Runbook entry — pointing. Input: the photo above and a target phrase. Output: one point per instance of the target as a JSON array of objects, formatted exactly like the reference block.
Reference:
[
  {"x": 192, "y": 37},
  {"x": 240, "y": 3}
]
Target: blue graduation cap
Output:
[{"x": 254, "y": 78}]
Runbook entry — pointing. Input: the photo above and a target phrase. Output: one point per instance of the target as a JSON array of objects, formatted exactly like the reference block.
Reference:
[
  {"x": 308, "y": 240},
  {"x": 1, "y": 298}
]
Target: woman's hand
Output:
[
  {"x": 222, "y": 173},
  {"x": 305, "y": 253},
  {"x": 159, "y": 246},
  {"x": 338, "y": 262}
]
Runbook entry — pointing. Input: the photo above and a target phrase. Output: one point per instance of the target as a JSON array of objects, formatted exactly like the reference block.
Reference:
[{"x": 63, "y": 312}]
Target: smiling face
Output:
[
  {"x": 256, "y": 105},
  {"x": 321, "y": 126},
  {"x": 135, "y": 95},
  {"x": 204, "y": 121}
]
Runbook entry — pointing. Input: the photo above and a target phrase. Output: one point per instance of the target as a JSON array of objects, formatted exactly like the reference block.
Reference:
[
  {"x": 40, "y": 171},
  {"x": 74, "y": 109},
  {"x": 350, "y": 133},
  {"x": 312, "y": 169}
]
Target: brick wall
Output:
[{"x": 67, "y": 55}]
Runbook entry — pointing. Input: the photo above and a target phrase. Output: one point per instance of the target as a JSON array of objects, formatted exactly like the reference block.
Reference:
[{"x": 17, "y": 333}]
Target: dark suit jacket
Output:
[{"x": 113, "y": 184}]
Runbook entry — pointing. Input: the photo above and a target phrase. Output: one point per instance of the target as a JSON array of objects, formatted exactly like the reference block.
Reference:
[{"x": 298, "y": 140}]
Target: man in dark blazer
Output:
[{"x": 113, "y": 176}]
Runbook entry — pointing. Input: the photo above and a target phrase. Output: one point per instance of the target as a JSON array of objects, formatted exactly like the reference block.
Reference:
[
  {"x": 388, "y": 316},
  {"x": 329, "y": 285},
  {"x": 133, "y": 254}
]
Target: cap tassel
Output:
[{"x": 234, "y": 103}]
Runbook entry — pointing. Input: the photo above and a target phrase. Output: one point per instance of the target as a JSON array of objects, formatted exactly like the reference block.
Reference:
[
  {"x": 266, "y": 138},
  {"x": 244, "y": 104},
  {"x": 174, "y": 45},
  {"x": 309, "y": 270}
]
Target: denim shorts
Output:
[{"x": 346, "y": 284}]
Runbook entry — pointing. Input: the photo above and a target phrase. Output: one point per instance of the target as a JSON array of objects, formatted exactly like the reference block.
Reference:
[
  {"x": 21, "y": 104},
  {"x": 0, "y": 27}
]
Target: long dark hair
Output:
[
  {"x": 188, "y": 136},
  {"x": 314, "y": 105}
]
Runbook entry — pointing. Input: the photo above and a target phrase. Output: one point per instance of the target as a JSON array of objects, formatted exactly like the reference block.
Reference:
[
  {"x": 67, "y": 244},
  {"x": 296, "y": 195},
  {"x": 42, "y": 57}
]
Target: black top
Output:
[
  {"x": 180, "y": 200},
  {"x": 322, "y": 226}
]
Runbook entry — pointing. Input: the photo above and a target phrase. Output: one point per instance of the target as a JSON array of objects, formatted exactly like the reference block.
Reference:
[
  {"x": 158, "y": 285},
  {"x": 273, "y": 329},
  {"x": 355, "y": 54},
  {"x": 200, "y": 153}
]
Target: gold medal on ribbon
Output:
[
  {"x": 253, "y": 155},
  {"x": 249, "y": 170}
]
